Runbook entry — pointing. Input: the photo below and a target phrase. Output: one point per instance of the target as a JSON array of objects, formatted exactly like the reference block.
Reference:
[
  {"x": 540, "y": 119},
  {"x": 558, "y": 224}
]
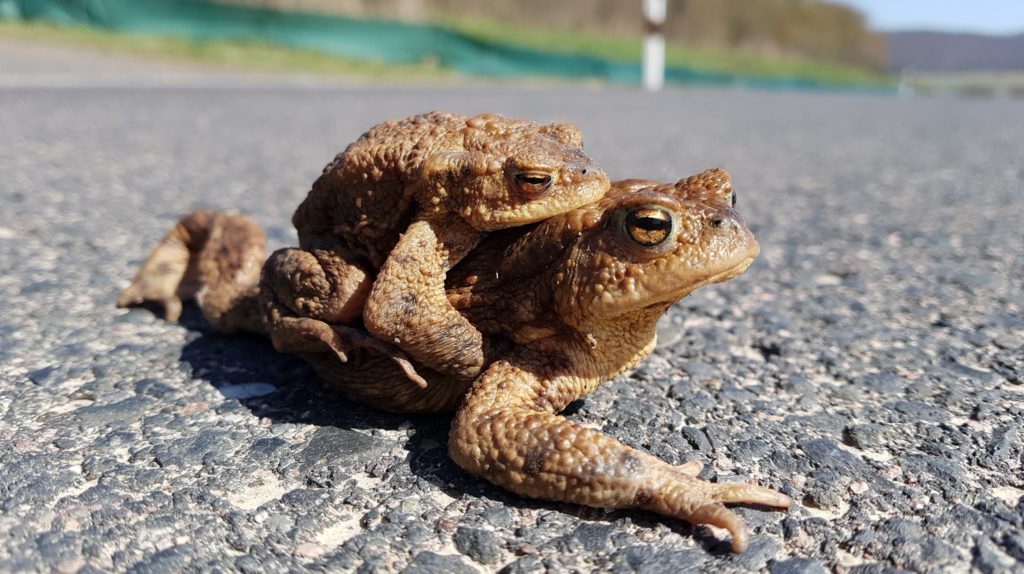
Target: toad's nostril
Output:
[
  {"x": 583, "y": 171},
  {"x": 717, "y": 222}
]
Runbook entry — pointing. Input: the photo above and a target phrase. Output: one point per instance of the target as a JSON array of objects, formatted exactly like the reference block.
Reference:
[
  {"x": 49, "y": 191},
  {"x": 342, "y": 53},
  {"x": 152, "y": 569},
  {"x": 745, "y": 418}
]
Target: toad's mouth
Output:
[
  {"x": 722, "y": 276},
  {"x": 730, "y": 273}
]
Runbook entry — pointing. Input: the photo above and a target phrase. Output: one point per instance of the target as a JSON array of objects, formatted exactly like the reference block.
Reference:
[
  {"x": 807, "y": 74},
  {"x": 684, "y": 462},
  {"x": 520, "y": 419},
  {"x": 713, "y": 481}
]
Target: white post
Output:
[{"x": 654, "y": 44}]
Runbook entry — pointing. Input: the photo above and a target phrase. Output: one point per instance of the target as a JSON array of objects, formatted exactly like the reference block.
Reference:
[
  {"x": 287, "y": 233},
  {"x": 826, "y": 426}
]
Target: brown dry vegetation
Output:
[{"x": 810, "y": 29}]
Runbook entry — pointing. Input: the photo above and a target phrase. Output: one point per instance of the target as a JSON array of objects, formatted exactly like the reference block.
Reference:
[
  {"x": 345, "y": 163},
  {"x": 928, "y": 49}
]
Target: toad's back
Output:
[{"x": 362, "y": 198}]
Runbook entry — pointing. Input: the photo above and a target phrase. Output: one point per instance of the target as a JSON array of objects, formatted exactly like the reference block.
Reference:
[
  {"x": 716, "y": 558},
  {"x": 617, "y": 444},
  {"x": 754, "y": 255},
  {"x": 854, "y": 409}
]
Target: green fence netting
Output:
[{"x": 361, "y": 39}]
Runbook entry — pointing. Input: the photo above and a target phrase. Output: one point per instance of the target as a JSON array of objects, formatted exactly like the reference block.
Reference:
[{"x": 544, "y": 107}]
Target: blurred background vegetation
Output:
[
  {"x": 760, "y": 36},
  {"x": 771, "y": 43}
]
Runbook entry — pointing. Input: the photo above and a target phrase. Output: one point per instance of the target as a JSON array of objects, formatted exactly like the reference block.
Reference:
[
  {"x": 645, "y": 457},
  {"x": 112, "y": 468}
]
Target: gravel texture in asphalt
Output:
[{"x": 870, "y": 363}]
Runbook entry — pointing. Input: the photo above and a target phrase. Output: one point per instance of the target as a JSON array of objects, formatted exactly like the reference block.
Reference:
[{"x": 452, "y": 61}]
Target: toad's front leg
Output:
[
  {"x": 408, "y": 305},
  {"x": 507, "y": 432}
]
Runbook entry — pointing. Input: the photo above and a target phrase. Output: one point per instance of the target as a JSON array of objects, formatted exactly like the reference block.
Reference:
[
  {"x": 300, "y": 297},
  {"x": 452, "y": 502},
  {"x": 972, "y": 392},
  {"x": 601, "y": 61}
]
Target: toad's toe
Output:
[
  {"x": 690, "y": 468},
  {"x": 169, "y": 306},
  {"x": 743, "y": 493},
  {"x": 720, "y": 516}
]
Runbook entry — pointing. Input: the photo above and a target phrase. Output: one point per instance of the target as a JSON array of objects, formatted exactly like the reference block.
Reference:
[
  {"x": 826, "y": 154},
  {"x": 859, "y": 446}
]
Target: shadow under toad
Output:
[{"x": 285, "y": 390}]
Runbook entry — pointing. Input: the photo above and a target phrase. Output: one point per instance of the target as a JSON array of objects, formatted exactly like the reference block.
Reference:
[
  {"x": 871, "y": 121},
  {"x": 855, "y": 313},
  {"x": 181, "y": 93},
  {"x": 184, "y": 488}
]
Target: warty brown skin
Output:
[
  {"x": 396, "y": 210},
  {"x": 570, "y": 303}
]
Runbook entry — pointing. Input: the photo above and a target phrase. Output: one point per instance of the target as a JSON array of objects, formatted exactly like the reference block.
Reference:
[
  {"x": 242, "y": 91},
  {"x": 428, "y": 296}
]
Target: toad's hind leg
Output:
[
  {"x": 304, "y": 293},
  {"x": 308, "y": 297},
  {"x": 319, "y": 284},
  {"x": 209, "y": 256},
  {"x": 507, "y": 432}
]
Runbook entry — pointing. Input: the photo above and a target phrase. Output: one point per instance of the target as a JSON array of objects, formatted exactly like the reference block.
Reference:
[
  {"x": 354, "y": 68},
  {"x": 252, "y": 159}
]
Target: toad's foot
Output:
[
  {"x": 700, "y": 502},
  {"x": 162, "y": 305},
  {"x": 358, "y": 338},
  {"x": 305, "y": 299},
  {"x": 211, "y": 256},
  {"x": 170, "y": 271},
  {"x": 305, "y": 335}
]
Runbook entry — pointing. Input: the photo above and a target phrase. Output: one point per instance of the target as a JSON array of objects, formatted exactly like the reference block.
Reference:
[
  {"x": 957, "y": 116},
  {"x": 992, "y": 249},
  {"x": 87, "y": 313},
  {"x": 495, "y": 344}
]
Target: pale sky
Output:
[{"x": 985, "y": 16}]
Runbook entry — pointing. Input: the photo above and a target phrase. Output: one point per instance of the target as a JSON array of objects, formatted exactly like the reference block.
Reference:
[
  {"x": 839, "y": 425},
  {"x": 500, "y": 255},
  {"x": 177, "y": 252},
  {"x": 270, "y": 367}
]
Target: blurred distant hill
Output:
[
  {"x": 948, "y": 52},
  {"x": 809, "y": 29}
]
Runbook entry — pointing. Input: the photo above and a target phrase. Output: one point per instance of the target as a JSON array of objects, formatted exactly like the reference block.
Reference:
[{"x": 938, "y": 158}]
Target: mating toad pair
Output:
[{"x": 483, "y": 265}]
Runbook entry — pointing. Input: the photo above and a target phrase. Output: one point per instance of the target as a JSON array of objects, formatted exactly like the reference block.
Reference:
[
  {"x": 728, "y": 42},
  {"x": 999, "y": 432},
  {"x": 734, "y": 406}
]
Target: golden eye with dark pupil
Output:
[
  {"x": 533, "y": 181},
  {"x": 648, "y": 226}
]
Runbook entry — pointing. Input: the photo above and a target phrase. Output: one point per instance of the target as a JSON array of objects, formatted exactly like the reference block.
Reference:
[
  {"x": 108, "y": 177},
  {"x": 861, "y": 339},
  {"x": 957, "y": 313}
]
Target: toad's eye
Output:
[
  {"x": 648, "y": 226},
  {"x": 732, "y": 199},
  {"x": 532, "y": 182}
]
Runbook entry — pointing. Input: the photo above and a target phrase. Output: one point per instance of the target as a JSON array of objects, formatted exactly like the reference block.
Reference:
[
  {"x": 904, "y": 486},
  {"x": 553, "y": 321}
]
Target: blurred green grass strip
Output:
[
  {"x": 222, "y": 54},
  {"x": 630, "y": 50}
]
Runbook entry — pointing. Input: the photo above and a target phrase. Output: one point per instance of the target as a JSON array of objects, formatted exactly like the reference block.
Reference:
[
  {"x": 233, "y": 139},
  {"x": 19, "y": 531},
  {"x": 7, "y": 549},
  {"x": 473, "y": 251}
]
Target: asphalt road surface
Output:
[{"x": 869, "y": 364}]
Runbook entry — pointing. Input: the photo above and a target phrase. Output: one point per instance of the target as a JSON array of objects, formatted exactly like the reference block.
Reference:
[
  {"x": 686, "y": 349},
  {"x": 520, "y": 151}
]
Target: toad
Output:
[
  {"x": 575, "y": 300},
  {"x": 377, "y": 234}
]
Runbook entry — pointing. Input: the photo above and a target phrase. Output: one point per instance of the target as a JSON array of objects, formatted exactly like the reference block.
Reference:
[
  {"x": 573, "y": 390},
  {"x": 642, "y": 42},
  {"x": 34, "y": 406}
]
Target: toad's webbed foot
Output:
[
  {"x": 700, "y": 502},
  {"x": 359, "y": 338},
  {"x": 210, "y": 256},
  {"x": 169, "y": 272},
  {"x": 167, "y": 306}
]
